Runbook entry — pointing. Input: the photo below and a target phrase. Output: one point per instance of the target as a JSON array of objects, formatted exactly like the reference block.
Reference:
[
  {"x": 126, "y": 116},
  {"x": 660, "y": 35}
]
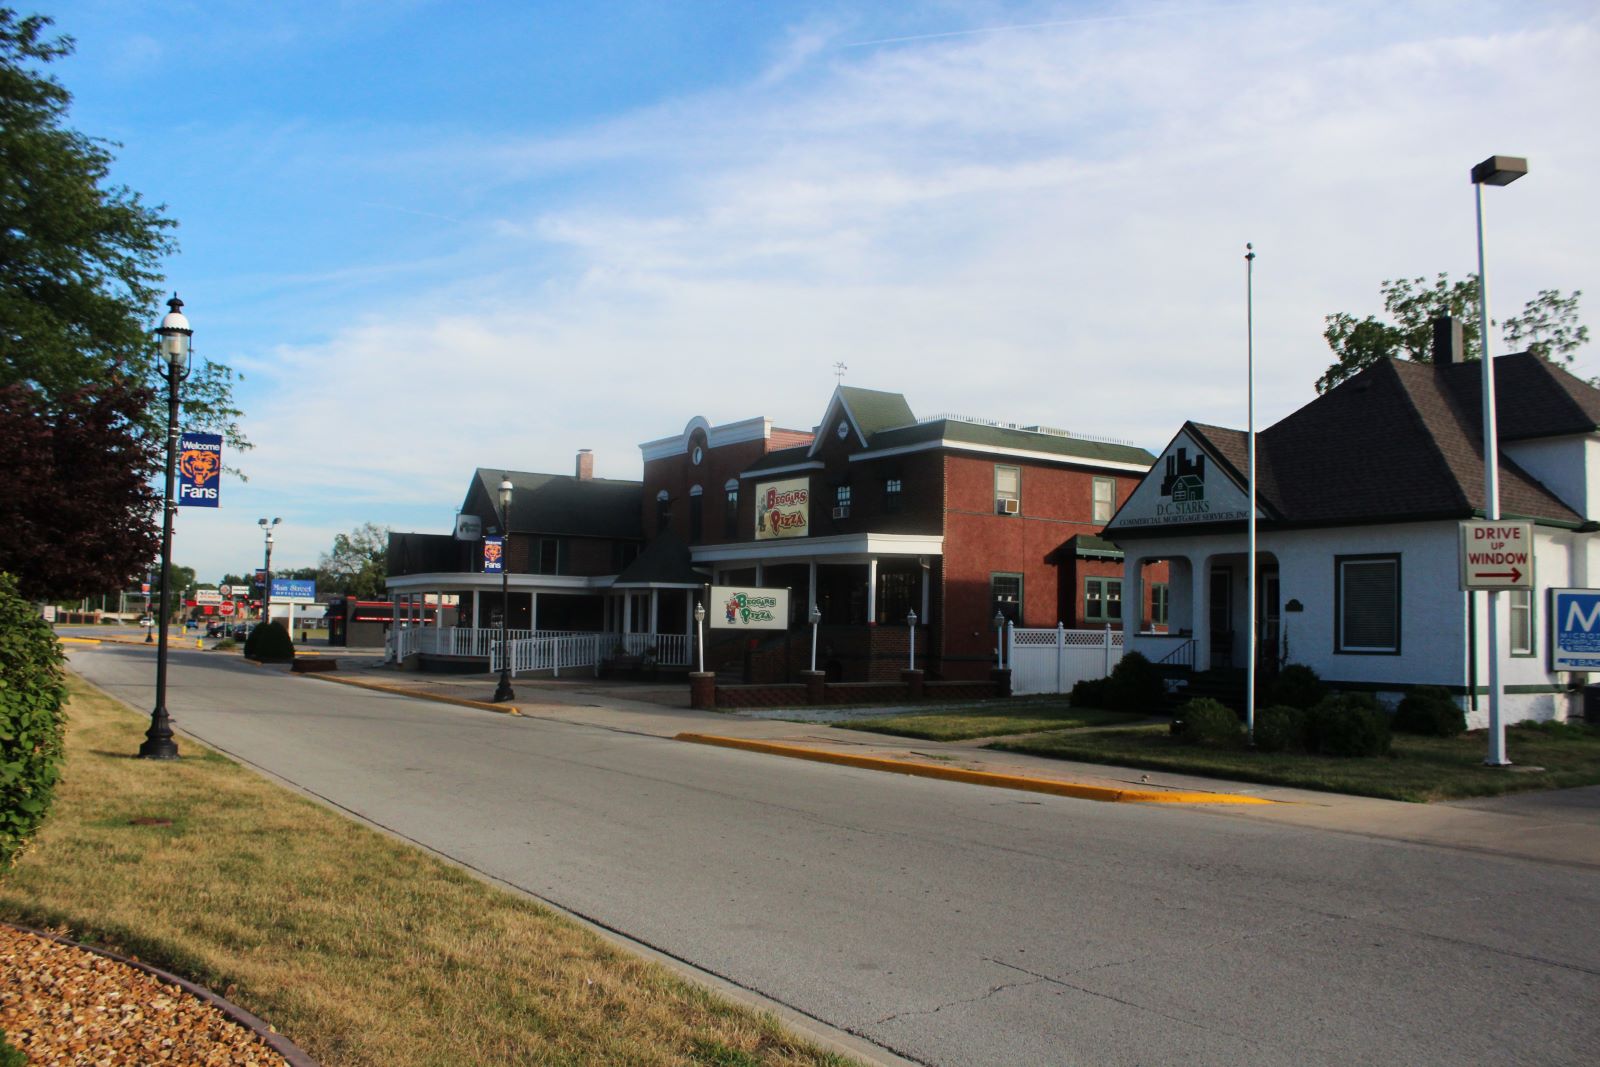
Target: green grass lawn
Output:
[
  {"x": 990, "y": 720},
  {"x": 1418, "y": 768}
]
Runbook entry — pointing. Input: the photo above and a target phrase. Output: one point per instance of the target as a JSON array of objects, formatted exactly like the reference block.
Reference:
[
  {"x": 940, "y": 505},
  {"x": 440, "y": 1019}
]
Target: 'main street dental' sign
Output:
[
  {"x": 783, "y": 509},
  {"x": 742, "y": 607}
]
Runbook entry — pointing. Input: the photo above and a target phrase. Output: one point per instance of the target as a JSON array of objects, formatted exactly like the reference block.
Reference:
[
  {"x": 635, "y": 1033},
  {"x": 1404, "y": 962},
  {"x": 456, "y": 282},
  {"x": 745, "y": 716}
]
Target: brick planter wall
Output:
[{"x": 801, "y": 694}]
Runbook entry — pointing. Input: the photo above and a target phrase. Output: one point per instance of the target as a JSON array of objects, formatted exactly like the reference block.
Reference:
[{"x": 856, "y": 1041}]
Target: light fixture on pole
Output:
[
  {"x": 266, "y": 569},
  {"x": 911, "y": 634},
  {"x": 503, "y": 692},
  {"x": 700, "y": 634},
  {"x": 815, "y": 617},
  {"x": 999, "y": 640},
  {"x": 1496, "y": 170},
  {"x": 1250, "y": 512},
  {"x": 174, "y": 334}
]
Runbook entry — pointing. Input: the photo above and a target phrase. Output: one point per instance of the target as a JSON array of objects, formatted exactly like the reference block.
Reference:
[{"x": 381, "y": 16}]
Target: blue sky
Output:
[{"x": 436, "y": 236}]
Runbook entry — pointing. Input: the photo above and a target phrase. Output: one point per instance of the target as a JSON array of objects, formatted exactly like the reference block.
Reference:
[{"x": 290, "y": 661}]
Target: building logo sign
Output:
[
  {"x": 493, "y": 555},
  {"x": 1184, "y": 492},
  {"x": 300, "y": 590},
  {"x": 749, "y": 608},
  {"x": 1575, "y": 629},
  {"x": 783, "y": 509},
  {"x": 199, "y": 469}
]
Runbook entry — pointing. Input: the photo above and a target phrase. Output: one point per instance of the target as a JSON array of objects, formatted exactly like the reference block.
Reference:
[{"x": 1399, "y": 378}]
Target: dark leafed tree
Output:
[
  {"x": 358, "y": 564},
  {"x": 76, "y": 504},
  {"x": 1548, "y": 326}
]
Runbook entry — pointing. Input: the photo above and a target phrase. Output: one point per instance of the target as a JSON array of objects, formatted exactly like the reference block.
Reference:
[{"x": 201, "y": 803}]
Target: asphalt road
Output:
[{"x": 950, "y": 923}]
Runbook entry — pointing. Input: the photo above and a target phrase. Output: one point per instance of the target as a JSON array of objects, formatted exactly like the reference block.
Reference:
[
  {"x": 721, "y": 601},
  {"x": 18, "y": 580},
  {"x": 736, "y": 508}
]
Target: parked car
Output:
[{"x": 216, "y": 629}]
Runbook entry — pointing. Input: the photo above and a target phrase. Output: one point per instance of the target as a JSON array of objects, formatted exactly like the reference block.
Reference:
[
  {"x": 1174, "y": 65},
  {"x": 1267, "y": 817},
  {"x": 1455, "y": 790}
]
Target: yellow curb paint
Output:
[
  {"x": 504, "y": 709},
  {"x": 79, "y": 640},
  {"x": 989, "y": 778}
]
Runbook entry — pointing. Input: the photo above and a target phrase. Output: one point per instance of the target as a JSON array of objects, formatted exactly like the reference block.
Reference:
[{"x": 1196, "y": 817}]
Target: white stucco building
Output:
[{"x": 1360, "y": 496}]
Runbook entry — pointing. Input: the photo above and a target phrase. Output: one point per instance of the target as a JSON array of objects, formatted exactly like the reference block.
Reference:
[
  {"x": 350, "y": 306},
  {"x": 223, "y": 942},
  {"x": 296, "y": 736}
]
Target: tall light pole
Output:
[
  {"x": 1251, "y": 652},
  {"x": 1496, "y": 170},
  {"x": 503, "y": 692},
  {"x": 174, "y": 334},
  {"x": 266, "y": 583}
]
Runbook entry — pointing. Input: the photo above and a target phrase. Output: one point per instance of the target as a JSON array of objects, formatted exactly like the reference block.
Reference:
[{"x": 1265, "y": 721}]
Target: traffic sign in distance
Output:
[{"x": 1497, "y": 555}]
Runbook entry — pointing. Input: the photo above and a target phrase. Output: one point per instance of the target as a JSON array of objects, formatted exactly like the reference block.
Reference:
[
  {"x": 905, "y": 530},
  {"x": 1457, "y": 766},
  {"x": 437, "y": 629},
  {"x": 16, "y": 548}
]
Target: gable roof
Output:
[
  {"x": 559, "y": 504},
  {"x": 664, "y": 561},
  {"x": 869, "y": 411}
]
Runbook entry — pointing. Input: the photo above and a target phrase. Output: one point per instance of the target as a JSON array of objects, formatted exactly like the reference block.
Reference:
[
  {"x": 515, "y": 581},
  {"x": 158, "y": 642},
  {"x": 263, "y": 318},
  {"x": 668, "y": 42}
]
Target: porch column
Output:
[
  {"x": 627, "y": 613},
  {"x": 477, "y": 600},
  {"x": 761, "y": 572},
  {"x": 533, "y": 611},
  {"x": 655, "y": 611},
  {"x": 438, "y": 614},
  {"x": 811, "y": 587},
  {"x": 872, "y": 591},
  {"x": 924, "y": 614},
  {"x": 1200, "y": 611}
]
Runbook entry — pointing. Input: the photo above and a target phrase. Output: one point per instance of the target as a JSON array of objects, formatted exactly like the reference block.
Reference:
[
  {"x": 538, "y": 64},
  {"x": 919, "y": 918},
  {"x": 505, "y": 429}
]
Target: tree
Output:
[
  {"x": 1548, "y": 326},
  {"x": 358, "y": 564}
]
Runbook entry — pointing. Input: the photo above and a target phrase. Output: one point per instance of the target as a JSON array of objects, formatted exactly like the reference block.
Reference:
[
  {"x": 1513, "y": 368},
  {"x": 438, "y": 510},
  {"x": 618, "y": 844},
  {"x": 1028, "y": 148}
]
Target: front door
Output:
[
  {"x": 1221, "y": 618},
  {"x": 1267, "y": 649}
]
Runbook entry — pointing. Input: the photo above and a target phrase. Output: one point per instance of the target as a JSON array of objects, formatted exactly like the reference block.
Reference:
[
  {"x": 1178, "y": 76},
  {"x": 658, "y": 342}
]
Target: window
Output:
[
  {"x": 841, "y": 496},
  {"x": 898, "y": 593},
  {"x": 1159, "y": 603},
  {"x": 1102, "y": 600},
  {"x": 1367, "y": 608},
  {"x": 891, "y": 494},
  {"x": 549, "y": 555},
  {"x": 1105, "y": 498},
  {"x": 1521, "y": 601},
  {"x": 663, "y": 510},
  {"x": 730, "y": 512},
  {"x": 1005, "y": 590},
  {"x": 1007, "y": 490},
  {"x": 696, "y": 514}
]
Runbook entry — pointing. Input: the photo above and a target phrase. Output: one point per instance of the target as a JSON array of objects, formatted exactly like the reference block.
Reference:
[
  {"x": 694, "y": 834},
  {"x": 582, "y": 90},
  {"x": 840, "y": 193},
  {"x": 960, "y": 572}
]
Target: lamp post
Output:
[
  {"x": 266, "y": 567},
  {"x": 174, "y": 334},
  {"x": 1000, "y": 640},
  {"x": 1496, "y": 170},
  {"x": 503, "y": 692},
  {"x": 814, "y": 617},
  {"x": 700, "y": 634},
  {"x": 911, "y": 632}
]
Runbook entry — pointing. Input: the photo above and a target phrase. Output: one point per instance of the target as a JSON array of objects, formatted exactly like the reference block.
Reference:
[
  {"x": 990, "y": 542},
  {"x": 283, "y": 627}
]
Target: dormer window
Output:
[{"x": 844, "y": 430}]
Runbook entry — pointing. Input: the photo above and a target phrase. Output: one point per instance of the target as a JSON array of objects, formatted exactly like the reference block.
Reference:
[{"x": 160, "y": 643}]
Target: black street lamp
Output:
[
  {"x": 504, "y": 692},
  {"x": 266, "y": 570},
  {"x": 174, "y": 334}
]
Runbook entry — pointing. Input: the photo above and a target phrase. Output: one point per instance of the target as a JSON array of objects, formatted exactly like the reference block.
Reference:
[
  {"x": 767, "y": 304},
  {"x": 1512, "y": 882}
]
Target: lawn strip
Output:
[
  {"x": 362, "y": 949},
  {"x": 963, "y": 724},
  {"x": 1419, "y": 768}
]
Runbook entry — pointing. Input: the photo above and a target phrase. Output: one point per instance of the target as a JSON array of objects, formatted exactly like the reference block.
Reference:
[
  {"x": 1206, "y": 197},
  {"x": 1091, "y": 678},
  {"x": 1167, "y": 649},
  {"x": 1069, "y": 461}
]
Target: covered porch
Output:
[{"x": 1208, "y": 610}]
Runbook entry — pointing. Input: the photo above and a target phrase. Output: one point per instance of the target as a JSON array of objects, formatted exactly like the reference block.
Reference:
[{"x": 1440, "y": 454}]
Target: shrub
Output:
[
  {"x": 1430, "y": 711},
  {"x": 269, "y": 643},
  {"x": 1350, "y": 724},
  {"x": 31, "y": 720},
  {"x": 1298, "y": 686},
  {"x": 1206, "y": 721},
  {"x": 227, "y": 644},
  {"x": 1091, "y": 693},
  {"x": 10, "y": 1055},
  {"x": 1136, "y": 685},
  {"x": 1281, "y": 728}
]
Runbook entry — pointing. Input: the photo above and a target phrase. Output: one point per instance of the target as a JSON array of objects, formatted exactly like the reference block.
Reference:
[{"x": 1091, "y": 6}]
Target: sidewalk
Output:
[{"x": 1556, "y": 827}]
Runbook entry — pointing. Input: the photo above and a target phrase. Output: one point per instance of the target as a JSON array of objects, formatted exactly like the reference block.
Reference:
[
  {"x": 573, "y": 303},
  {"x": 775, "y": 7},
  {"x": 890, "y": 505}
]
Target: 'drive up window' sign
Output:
[
  {"x": 493, "y": 555},
  {"x": 199, "y": 469}
]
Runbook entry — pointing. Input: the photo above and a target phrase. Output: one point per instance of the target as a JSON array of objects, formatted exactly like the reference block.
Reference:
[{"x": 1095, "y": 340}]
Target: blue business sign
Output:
[
  {"x": 199, "y": 470},
  {"x": 1575, "y": 629},
  {"x": 293, "y": 589},
  {"x": 492, "y": 562}
]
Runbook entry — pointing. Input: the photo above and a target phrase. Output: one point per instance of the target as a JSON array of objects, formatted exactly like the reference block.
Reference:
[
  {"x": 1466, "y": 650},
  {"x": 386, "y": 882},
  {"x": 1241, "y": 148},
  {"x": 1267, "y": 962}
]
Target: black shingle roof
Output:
[{"x": 559, "y": 504}]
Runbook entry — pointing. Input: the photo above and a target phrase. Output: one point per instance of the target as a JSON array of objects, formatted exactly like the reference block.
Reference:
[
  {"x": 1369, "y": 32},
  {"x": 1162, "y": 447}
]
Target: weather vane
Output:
[{"x": 838, "y": 370}]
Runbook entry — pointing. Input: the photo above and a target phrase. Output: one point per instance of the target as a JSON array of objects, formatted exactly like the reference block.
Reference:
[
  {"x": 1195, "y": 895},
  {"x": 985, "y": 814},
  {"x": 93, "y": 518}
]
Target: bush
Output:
[
  {"x": 1298, "y": 686},
  {"x": 1350, "y": 724},
  {"x": 32, "y": 723},
  {"x": 227, "y": 644},
  {"x": 1091, "y": 693},
  {"x": 269, "y": 643},
  {"x": 1136, "y": 685},
  {"x": 1281, "y": 728},
  {"x": 10, "y": 1055},
  {"x": 1430, "y": 711},
  {"x": 1206, "y": 721}
]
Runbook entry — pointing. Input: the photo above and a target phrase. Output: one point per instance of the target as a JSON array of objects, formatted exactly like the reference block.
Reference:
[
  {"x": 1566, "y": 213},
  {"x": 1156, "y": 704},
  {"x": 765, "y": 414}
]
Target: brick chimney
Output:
[
  {"x": 585, "y": 464},
  {"x": 1449, "y": 345}
]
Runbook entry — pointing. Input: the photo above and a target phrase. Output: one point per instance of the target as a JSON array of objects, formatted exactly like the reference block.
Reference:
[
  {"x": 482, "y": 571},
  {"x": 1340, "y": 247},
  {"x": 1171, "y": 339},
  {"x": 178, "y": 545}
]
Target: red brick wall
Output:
[{"x": 677, "y": 474}]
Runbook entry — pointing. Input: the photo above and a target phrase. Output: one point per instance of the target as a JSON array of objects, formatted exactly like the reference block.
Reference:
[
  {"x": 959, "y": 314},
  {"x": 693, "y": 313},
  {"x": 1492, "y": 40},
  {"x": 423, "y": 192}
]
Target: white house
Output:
[{"x": 1359, "y": 499}]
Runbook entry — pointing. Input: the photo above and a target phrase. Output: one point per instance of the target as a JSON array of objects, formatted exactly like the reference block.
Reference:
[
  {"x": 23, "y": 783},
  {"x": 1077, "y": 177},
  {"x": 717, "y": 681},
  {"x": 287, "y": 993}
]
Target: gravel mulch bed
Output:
[{"x": 61, "y": 1004}]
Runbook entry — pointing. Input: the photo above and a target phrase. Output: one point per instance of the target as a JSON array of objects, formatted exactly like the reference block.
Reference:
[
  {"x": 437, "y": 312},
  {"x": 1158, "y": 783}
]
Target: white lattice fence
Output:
[{"x": 1053, "y": 661}]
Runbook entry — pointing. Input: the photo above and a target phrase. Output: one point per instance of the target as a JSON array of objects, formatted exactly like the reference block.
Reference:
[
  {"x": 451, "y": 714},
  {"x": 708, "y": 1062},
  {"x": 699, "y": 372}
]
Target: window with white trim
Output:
[
  {"x": 1007, "y": 490},
  {"x": 1105, "y": 498},
  {"x": 1160, "y": 601},
  {"x": 1367, "y": 604},
  {"x": 1102, "y": 600},
  {"x": 1521, "y": 620},
  {"x": 1005, "y": 594}
]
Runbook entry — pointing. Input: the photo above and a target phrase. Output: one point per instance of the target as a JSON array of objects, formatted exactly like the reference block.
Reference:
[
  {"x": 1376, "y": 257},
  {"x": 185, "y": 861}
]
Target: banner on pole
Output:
[
  {"x": 493, "y": 553},
  {"x": 199, "y": 469}
]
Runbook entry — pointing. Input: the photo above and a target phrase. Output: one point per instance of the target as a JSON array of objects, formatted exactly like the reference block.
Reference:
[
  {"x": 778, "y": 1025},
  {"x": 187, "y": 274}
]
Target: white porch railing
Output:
[
  {"x": 558, "y": 650},
  {"x": 1053, "y": 661}
]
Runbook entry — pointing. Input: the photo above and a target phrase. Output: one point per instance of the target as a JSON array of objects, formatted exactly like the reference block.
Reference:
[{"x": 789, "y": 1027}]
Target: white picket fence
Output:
[{"x": 1053, "y": 661}]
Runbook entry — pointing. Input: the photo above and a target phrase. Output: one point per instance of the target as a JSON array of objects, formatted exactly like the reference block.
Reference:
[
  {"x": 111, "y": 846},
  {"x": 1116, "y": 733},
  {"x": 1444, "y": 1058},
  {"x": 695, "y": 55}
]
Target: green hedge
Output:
[
  {"x": 32, "y": 723},
  {"x": 269, "y": 643}
]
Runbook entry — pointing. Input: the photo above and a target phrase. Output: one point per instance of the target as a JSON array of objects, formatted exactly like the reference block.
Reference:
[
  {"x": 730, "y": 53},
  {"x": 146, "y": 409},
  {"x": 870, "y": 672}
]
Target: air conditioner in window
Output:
[
  {"x": 1009, "y": 506},
  {"x": 842, "y": 512}
]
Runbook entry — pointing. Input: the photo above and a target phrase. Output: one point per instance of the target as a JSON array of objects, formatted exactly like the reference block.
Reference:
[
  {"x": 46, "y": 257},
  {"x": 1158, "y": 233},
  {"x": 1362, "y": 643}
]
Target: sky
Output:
[{"x": 437, "y": 236}]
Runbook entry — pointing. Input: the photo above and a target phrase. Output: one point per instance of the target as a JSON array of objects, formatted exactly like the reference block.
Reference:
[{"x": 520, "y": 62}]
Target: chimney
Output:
[
  {"x": 1448, "y": 345},
  {"x": 586, "y": 460}
]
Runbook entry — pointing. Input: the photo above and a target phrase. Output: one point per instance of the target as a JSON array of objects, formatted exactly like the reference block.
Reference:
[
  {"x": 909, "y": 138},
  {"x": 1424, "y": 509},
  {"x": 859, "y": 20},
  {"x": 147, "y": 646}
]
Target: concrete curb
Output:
[
  {"x": 440, "y": 698},
  {"x": 80, "y": 640},
  {"x": 989, "y": 778}
]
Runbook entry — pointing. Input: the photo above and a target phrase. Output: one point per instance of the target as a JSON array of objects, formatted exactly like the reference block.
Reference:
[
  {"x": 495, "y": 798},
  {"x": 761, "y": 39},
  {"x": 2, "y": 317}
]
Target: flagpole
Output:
[{"x": 1250, "y": 563}]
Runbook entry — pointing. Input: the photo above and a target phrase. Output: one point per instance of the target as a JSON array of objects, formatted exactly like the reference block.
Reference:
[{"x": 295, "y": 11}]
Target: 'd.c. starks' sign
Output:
[{"x": 783, "y": 509}]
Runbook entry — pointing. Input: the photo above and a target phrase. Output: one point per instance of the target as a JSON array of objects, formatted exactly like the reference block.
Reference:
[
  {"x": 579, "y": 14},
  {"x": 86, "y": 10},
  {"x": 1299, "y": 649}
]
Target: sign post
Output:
[{"x": 1496, "y": 555}]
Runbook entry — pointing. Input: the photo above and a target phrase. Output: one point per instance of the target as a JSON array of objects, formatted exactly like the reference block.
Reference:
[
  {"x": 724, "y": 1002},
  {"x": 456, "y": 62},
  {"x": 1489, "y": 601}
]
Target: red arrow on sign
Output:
[{"x": 1513, "y": 575}]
